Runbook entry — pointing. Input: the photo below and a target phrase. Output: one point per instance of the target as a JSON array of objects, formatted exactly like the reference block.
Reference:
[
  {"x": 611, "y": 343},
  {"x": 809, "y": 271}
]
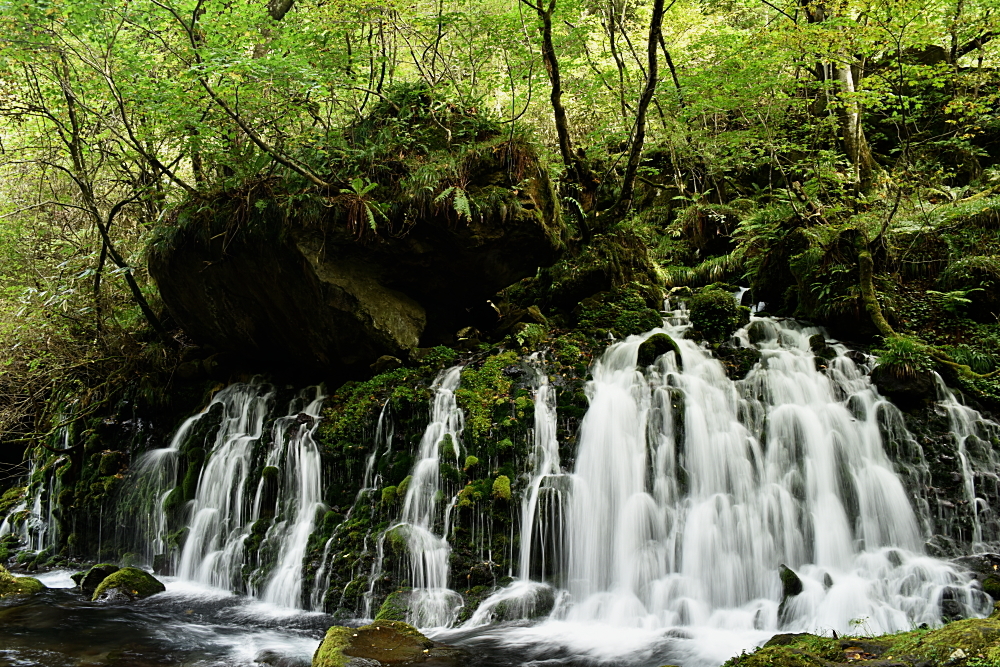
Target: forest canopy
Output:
[{"x": 774, "y": 143}]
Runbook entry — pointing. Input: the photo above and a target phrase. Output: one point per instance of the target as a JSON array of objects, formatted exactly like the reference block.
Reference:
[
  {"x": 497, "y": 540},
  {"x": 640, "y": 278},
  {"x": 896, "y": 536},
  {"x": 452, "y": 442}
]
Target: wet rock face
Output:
[
  {"x": 296, "y": 291},
  {"x": 94, "y": 576}
]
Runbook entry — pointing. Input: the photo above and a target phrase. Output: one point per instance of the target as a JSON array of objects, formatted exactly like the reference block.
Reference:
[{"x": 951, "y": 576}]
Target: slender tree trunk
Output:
[
  {"x": 855, "y": 143},
  {"x": 638, "y": 141},
  {"x": 576, "y": 166}
]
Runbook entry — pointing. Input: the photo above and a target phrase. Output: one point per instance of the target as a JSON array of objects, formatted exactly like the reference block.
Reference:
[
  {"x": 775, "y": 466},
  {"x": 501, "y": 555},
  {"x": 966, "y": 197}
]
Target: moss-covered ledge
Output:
[
  {"x": 383, "y": 642},
  {"x": 973, "y": 642}
]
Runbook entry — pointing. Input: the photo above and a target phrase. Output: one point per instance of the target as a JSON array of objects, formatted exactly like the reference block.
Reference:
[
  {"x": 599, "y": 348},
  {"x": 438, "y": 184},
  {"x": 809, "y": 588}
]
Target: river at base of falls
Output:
[{"x": 193, "y": 625}]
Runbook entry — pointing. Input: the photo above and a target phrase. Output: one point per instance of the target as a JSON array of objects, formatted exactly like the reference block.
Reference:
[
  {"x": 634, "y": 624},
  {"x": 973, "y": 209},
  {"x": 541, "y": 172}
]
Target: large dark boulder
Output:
[{"x": 296, "y": 283}]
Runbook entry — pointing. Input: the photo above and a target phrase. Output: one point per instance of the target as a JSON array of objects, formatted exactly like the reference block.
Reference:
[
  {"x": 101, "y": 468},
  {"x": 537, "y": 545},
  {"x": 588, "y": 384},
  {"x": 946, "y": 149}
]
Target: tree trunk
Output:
[{"x": 855, "y": 143}]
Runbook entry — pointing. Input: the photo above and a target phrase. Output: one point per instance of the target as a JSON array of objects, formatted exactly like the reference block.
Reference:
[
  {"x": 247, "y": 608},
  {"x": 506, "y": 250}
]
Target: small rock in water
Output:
[{"x": 274, "y": 659}]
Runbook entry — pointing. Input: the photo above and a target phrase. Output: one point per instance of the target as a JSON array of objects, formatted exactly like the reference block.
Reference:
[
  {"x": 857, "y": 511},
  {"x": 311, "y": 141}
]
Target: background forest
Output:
[{"x": 840, "y": 158}]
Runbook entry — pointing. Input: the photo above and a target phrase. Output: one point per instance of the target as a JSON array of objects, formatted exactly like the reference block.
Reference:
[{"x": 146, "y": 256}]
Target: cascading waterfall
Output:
[
  {"x": 972, "y": 436},
  {"x": 542, "y": 516},
  {"x": 426, "y": 510},
  {"x": 687, "y": 494},
  {"x": 33, "y": 519},
  {"x": 690, "y": 491},
  {"x": 300, "y": 498},
  {"x": 228, "y": 503},
  {"x": 220, "y": 521}
]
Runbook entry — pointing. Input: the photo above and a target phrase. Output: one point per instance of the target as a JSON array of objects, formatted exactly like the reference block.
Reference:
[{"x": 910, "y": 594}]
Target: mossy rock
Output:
[
  {"x": 386, "y": 643},
  {"x": 715, "y": 314},
  {"x": 127, "y": 584},
  {"x": 991, "y": 585},
  {"x": 11, "y": 586},
  {"x": 395, "y": 607},
  {"x": 737, "y": 361},
  {"x": 655, "y": 346},
  {"x": 967, "y": 643},
  {"x": 94, "y": 577}
]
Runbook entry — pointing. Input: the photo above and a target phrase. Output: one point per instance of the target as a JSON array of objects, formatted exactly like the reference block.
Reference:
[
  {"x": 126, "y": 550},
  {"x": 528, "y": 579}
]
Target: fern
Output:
[
  {"x": 459, "y": 201},
  {"x": 979, "y": 361},
  {"x": 712, "y": 270}
]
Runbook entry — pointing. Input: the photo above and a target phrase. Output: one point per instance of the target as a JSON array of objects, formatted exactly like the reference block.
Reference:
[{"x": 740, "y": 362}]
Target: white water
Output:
[
  {"x": 33, "y": 519},
  {"x": 972, "y": 434},
  {"x": 300, "y": 498},
  {"x": 426, "y": 510},
  {"x": 691, "y": 490},
  {"x": 220, "y": 511}
]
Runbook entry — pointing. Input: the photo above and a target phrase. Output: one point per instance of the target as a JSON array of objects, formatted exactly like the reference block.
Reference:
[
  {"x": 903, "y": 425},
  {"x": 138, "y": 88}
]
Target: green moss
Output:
[
  {"x": 174, "y": 499},
  {"x": 196, "y": 458},
  {"x": 716, "y": 315},
  {"x": 10, "y": 498},
  {"x": 481, "y": 391},
  {"x": 330, "y": 651},
  {"x": 468, "y": 496},
  {"x": 403, "y": 486},
  {"x": 656, "y": 346},
  {"x": 623, "y": 312},
  {"x": 132, "y": 582},
  {"x": 11, "y": 585},
  {"x": 501, "y": 488},
  {"x": 395, "y": 607},
  {"x": 269, "y": 472},
  {"x": 967, "y": 643},
  {"x": 389, "y": 495},
  {"x": 470, "y": 462},
  {"x": 991, "y": 585}
]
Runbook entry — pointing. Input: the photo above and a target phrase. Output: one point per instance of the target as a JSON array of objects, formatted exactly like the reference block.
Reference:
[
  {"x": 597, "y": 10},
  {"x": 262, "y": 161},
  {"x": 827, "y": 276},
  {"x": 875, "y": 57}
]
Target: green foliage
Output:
[
  {"x": 905, "y": 356},
  {"x": 481, "y": 391},
  {"x": 623, "y": 312},
  {"x": 715, "y": 314},
  {"x": 501, "y": 488},
  {"x": 389, "y": 495}
]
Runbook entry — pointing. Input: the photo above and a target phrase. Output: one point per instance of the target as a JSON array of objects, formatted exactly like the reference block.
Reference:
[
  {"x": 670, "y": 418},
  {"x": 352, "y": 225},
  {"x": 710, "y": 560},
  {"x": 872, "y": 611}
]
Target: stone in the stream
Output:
[
  {"x": 94, "y": 577},
  {"x": 11, "y": 585},
  {"x": 384, "y": 643},
  {"x": 126, "y": 585}
]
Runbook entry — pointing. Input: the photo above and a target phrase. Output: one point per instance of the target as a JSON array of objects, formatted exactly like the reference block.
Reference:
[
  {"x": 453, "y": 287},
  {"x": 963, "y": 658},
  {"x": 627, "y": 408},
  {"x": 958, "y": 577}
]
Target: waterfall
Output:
[
  {"x": 537, "y": 534},
  {"x": 973, "y": 436},
  {"x": 33, "y": 519},
  {"x": 426, "y": 510},
  {"x": 691, "y": 490},
  {"x": 542, "y": 516},
  {"x": 220, "y": 521},
  {"x": 300, "y": 497}
]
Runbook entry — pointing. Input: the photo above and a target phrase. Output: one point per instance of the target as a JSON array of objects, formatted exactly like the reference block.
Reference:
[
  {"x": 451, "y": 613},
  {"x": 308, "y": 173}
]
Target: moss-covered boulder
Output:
[
  {"x": 94, "y": 576},
  {"x": 972, "y": 642},
  {"x": 715, "y": 314},
  {"x": 401, "y": 255},
  {"x": 655, "y": 346},
  {"x": 126, "y": 585},
  {"x": 383, "y": 643},
  {"x": 11, "y": 586}
]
